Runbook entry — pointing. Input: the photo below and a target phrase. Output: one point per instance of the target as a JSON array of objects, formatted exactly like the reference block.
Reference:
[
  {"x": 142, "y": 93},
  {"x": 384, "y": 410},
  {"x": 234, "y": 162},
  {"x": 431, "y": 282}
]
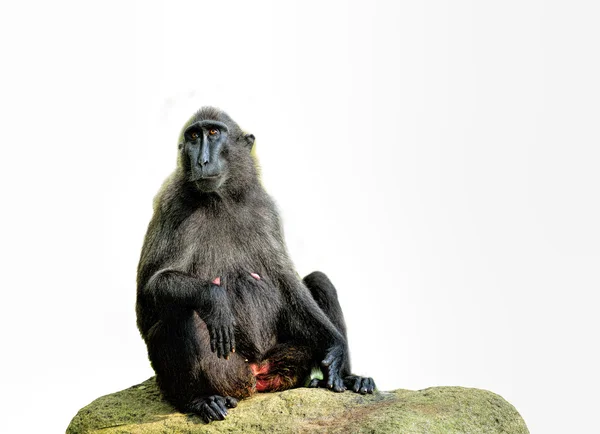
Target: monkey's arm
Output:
[{"x": 173, "y": 289}]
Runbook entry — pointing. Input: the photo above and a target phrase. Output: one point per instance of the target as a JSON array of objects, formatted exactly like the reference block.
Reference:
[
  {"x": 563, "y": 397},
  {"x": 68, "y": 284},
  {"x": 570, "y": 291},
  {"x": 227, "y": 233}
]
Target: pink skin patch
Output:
[
  {"x": 259, "y": 369},
  {"x": 263, "y": 382},
  {"x": 267, "y": 385},
  {"x": 217, "y": 280}
]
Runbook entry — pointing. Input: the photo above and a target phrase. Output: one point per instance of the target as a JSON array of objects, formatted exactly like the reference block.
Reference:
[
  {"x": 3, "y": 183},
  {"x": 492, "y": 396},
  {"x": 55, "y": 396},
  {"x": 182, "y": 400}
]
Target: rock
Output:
[{"x": 444, "y": 410}]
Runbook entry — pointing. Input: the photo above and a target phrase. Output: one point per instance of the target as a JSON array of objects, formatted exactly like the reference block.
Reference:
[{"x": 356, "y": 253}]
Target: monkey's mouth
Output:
[
  {"x": 205, "y": 178},
  {"x": 208, "y": 183}
]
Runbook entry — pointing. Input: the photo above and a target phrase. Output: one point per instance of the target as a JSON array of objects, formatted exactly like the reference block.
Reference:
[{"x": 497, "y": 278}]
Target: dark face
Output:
[{"x": 204, "y": 145}]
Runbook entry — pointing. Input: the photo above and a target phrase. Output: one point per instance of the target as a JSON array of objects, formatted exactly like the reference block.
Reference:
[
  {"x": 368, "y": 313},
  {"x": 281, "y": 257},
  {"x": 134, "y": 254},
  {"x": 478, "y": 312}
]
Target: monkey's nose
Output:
[{"x": 204, "y": 156}]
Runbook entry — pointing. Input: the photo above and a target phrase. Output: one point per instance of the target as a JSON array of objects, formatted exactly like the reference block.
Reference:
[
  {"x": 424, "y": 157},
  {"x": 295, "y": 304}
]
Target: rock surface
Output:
[{"x": 443, "y": 410}]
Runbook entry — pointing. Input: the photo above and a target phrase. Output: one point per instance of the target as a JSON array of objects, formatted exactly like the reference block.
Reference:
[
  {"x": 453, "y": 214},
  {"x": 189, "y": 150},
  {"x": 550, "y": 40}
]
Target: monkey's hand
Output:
[
  {"x": 220, "y": 321},
  {"x": 332, "y": 365}
]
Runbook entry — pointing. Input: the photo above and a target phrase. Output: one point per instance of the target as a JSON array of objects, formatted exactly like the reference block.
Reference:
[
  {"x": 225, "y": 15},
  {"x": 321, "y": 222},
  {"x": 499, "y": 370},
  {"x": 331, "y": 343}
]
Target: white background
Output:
[{"x": 439, "y": 160}]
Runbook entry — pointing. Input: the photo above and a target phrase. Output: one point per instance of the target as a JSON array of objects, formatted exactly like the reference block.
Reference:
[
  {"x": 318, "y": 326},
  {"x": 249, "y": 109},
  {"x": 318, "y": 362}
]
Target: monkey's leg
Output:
[
  {"x": 325, "y": 295},
  {"x": 191, "y": 376}
]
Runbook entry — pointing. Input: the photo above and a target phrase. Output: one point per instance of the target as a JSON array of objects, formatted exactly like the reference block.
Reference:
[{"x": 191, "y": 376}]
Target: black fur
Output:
[{"x": 206, "y": 339}]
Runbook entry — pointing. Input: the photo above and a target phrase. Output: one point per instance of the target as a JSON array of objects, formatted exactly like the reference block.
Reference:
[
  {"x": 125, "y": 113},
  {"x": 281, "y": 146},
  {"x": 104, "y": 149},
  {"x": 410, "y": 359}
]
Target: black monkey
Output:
[{"x": 219, "y": 304}]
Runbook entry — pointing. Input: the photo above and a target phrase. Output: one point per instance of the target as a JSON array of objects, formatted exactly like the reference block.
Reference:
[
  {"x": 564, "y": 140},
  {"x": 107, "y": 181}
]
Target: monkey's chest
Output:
[{"x": 210, "y": 252}]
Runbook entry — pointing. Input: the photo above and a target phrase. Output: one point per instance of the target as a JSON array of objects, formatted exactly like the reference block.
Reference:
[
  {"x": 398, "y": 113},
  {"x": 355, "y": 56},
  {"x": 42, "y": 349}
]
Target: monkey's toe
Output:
[
  {"x": 358, "y": 384},
  {"x": 336, "y": 384}
]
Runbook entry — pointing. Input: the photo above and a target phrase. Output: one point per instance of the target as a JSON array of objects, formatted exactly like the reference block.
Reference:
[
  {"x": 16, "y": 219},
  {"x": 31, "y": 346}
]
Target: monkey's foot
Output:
[
  {"x": 358, "y": 384},
  {"x": 213, "y": 407}
]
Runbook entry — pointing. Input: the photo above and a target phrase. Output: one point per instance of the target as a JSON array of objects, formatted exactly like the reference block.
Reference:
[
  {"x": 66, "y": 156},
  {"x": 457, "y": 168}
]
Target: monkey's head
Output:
[{"x": 214, "y": 152}]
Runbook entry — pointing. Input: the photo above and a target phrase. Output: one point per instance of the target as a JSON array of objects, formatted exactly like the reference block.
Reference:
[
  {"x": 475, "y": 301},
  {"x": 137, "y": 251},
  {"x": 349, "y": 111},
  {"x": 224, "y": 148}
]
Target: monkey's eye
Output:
[
  {"x": 213, "y": 132},
  {"x": 194, "y": 136}
]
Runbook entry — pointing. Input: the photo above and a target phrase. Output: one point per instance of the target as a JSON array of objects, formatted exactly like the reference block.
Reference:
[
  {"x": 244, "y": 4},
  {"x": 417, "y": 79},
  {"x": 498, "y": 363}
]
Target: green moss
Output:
[{"x": 141, "y": 409}]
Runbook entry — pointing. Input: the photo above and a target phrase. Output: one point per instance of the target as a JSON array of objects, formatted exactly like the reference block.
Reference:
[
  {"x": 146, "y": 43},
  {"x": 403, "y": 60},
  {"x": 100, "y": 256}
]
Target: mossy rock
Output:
[{"x": 444, "y": 410}]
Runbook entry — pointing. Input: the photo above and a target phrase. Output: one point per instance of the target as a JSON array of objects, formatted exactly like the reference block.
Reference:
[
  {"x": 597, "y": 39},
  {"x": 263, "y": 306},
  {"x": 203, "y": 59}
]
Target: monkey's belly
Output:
[{"x": 256, "y": 303}]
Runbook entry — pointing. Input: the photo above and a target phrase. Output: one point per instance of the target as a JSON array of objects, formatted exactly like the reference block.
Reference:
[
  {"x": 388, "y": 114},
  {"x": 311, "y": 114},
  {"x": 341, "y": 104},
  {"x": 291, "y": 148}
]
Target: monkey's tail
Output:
[{"x": 284, "y": 367}]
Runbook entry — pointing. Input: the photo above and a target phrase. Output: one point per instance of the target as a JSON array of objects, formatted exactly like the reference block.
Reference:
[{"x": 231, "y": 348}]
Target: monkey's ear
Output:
[
  {"x": 180, "y": 146},
  {"x": 249, "y": 139}
]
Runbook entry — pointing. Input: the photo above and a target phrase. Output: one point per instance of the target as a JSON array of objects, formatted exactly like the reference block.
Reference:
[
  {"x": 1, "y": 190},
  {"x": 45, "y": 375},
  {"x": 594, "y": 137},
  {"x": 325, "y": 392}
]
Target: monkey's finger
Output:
[
  {"x": 232, "y": 339},
  {"x": 338, "y": 385},
  {"x": 218, "y": 341},
  {"x": 213, "y": 340},
  {"x": 208, "y": 413},
  {"x": 231, "y": 402},
  {"x": 217, "y": 345},
  {"x": 357, "y": 384},
  {"x": 333, "y": 365},
  {"x": 365, "y": 386},
  {"x": 332, "y": 370},
  {"x": 219, "y": 410},
  {"x": 331, "y": 378},
  {"x": 226, "y": 343},
  {"x": 370, "y": 385}
]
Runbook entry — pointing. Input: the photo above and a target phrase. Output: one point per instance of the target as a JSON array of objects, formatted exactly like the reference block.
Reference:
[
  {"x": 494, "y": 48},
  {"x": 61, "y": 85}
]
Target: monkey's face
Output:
[{"x": 203, "y": 154}]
